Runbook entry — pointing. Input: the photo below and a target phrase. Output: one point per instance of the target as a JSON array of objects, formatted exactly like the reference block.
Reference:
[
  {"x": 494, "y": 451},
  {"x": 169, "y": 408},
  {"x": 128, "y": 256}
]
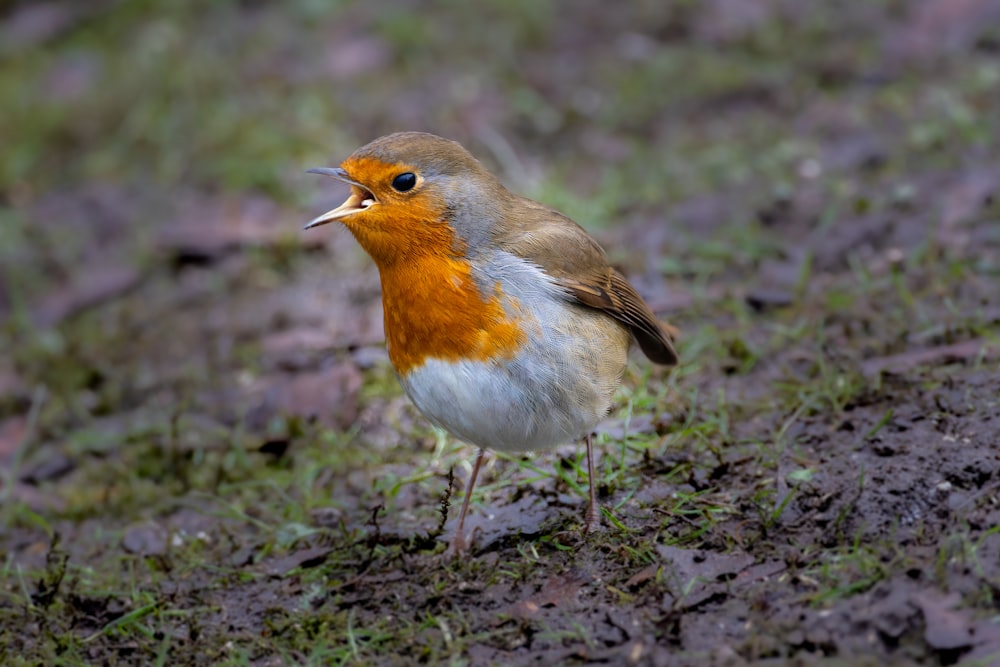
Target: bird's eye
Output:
[{"x": 404, "y": 181}]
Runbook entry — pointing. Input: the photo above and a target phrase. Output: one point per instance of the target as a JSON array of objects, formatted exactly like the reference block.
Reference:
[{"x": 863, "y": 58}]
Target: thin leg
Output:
[
  {"x": 458, "y": 543},
  {"x": 593, "y": 518}
]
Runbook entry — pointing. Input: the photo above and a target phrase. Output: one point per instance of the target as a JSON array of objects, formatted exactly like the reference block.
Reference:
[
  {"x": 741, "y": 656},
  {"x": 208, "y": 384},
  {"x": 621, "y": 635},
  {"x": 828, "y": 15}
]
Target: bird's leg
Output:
[
  {"x": 593, "y": 519},
  {"x": 458, "y": 542}
]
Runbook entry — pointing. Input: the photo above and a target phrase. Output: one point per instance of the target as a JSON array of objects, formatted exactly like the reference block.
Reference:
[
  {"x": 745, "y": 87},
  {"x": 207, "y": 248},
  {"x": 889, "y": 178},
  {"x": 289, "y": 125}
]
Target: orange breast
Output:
[{"x": 433, "y": 309}]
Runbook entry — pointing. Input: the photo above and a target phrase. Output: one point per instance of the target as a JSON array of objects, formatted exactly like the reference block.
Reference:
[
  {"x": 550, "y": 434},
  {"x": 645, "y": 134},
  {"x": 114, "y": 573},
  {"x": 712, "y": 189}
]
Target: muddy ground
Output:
[{"x": 205, "y": 457}]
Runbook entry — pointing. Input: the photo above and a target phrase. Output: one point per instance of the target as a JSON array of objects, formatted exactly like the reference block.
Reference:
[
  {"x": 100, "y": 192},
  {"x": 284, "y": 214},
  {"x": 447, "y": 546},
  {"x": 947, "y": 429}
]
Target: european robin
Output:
[{"x": 504, "y": 321}]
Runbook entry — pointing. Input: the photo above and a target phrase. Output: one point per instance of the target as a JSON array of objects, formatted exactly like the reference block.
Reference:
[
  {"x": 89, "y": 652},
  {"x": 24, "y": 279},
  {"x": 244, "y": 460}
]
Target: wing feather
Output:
[{"x": 581, "y": 267}]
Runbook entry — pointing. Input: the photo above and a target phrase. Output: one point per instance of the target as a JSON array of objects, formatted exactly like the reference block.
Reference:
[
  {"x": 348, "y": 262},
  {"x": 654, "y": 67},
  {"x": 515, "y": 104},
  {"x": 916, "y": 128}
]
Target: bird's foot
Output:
[
  {"x": 592, "y": 519},
  {"x": 460, "y": 545}
]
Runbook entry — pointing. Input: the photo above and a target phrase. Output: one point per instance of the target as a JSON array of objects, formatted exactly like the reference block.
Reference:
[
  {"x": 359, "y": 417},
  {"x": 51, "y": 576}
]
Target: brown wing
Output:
[
  {"x": 614, "y": 295},
  {"x": 569, "y": 254}
]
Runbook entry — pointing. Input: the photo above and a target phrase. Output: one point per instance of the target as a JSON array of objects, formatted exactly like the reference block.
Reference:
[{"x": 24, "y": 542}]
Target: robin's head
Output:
[{"x": 414, "y": 193}]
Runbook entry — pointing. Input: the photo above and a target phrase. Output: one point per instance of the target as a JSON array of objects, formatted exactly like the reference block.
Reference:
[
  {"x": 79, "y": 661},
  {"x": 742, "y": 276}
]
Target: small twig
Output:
[
  {"x": 373, "y": 539},
  {"x": 445, "y": 503}
]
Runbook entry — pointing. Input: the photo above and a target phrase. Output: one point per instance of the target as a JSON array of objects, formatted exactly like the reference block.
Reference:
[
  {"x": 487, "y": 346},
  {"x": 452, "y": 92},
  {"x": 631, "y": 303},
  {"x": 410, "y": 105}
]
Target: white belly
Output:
[{"x": 553, "y": 392}]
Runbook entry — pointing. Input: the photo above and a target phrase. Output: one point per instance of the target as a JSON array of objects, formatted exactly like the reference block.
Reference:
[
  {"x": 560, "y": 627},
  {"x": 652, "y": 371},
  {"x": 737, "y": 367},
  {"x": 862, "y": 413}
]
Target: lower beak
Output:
[
  {"x": 353, "y": 204},
  {"x": 359, "y": 200}
]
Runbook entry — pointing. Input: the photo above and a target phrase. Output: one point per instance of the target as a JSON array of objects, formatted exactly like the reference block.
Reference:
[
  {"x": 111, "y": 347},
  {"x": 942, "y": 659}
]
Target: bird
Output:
[{"x": 504, "y": 321}]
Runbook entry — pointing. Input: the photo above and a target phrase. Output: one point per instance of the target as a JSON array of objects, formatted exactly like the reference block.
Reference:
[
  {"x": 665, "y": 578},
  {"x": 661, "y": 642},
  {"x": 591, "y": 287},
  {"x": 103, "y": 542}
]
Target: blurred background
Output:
[
  {"x": 800, "y": 186},
  {"x": 140, "y": 135}
]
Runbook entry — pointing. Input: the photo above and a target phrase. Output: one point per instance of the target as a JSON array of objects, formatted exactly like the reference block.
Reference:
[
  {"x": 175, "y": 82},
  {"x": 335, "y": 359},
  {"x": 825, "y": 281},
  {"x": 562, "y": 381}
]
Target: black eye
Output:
[{"x": 404, "y": 181}]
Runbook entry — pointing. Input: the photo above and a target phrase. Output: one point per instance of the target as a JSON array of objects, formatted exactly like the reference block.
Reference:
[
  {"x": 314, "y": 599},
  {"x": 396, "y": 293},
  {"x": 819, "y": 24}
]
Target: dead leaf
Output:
[
  {"x": 762, "y": 299},
  {"x": 296, "y": 349},
  {"x": 760, "y": 572},
  {"x": 892, "y": 613},
  {"x": 695, "y": 576},
  {"x": 12, "y": 432},
  {"x": 329, "y": 396},
  {"x": 557, "y": 591},
  {"x": 38, "y": 500},
  {"x": 947, "y": 628},
  {"x": 690, "y": 564},
  {"x": 935, "y": 356},
  {"x": 962, "y": 199},
  {"x": 987, "y": 648},
  {"x": 524, "y": 516},
  {"x": 306, "y": 558},
  {"x": 208, "y": 230},
  {"x": 642, "y": 576},
  {"x": 284, "y": 344},
  {"x": 53, "y": 466},
  {"x": 89, "y": 289}
]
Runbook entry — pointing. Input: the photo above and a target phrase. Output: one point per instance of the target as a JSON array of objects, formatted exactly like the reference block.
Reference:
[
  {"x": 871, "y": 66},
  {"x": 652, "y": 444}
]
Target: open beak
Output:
[{"x": 360, "y": 199}]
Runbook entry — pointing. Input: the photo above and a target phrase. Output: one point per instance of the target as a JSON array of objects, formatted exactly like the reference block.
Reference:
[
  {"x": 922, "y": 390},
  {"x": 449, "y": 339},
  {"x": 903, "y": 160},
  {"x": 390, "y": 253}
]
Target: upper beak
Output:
[{"x": 359, "y": 200}]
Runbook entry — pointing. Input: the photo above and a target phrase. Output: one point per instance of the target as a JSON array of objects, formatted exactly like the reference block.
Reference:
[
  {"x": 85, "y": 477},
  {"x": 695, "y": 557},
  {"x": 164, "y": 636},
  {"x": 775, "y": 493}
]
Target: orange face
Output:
[{"x": 390, "y": 224}]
